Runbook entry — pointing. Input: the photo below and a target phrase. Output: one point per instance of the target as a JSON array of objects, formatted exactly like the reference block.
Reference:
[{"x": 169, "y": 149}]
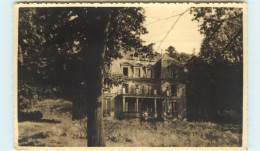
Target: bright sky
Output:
[{"x": 184, "y": 36}]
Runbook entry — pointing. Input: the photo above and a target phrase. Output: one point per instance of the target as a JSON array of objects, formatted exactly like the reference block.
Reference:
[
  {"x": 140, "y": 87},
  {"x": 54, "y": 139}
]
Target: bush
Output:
[
  {"x": 29, "y": 94},
  {"x": 30, "y": 116}
]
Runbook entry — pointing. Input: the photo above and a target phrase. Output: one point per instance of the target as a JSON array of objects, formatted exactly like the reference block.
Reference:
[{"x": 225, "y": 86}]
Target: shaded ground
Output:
[{"x": 65, "y": 132}]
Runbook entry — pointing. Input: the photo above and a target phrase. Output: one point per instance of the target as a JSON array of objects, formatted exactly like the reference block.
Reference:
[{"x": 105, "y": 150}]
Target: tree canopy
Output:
[
  {"x": 72, "y": 48},
  {"x": 218, "y": 69},
  {"x": 182, "y": 57},
  {"x": 223, "y": 31},
  {"x": 51, "y": 39}
]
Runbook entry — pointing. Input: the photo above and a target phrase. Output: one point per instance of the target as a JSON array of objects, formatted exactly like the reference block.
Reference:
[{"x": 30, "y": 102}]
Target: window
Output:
[
  {"x": 149, "y": 88},
  {"x": 136, "y": 89},
  {"x": 149, "y": 73},
  {"x": 171, "y": 108},
  {"x": 155, "y": 90},
  {"x": 174, "y": 90},
  {"x": 137, "y": 72},
  {"x": 144, "y": 72},
  {"x": 132, "y": 89},
  {"x": 143, "y": 89},
  {"x": 125, "y": 71},
  {"x": 136, "y": 55},
  {"x": 126, "y": 88},
  {"x": 174, "y": 106},
  {"x": 173, "y": 73},
  {"x": 106, "y": 106}
]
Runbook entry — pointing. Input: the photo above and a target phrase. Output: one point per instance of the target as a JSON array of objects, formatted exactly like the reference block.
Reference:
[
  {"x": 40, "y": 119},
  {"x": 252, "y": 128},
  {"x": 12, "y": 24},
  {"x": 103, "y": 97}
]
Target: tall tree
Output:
[
  {"x": 223, "y": 31},
  {"x": 75, "y": 46},
  {"x": 218, "y": 68}
]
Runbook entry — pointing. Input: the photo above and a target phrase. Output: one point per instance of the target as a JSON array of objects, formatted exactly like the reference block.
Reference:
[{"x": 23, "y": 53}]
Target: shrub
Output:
[
  {"x": 30, "y": 116},
  {"x": 29, "y": 94}
]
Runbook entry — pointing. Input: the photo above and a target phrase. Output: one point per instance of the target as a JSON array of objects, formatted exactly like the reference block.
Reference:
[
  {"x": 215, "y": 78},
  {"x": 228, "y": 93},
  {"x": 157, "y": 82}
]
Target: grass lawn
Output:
[{"x": 56, "y": 129}]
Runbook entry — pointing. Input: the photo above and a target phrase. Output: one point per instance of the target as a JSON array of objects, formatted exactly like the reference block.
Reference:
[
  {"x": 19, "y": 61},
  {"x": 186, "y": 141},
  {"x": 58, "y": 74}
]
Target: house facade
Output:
[{"x": 150, "y": 85}]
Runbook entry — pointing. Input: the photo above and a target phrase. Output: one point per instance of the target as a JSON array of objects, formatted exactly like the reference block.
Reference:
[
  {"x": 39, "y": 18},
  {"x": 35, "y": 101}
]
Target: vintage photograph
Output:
[{"x": 130, "y": 75}]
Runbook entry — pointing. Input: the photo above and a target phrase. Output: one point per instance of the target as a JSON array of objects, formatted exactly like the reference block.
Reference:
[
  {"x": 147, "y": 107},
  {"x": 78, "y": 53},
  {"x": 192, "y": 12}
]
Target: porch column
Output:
[
  {"x": 123, "y": 104},
  {"x": 106, "y": 106},
  {"x": 155, "y": 108},
  {"x": 137, "y": 102},
  {"x": 103, "y": 105},
  {"x": 141, "y": 106}
]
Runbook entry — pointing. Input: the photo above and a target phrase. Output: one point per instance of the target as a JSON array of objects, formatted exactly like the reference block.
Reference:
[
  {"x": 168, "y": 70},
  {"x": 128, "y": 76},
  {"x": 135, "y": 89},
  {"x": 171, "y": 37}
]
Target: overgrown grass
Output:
[
  {"x": 171, "y": 133},
  {"x": 65, "y": 132}
]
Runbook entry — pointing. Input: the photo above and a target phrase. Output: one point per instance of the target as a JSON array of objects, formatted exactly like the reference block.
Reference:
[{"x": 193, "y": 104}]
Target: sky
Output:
[{"x": 184, "y": 36}]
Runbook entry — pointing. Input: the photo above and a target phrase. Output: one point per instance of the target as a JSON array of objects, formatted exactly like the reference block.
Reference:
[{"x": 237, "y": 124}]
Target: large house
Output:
[{"x": 150, "y": 85}]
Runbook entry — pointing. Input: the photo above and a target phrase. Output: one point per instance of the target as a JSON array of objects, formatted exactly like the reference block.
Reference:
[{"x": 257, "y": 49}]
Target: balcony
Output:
[
  {"x": 138, "y": 91},
  {"x": 150, "y": 93}
]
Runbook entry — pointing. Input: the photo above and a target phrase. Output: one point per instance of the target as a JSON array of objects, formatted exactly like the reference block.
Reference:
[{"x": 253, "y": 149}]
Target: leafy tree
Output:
[
  {"x": 223, "y": 30},
  {"x": 218, "y": 69},
  {"x": 182, "y": 57},
  {"x": 171, "y": 51},
  {"x": 149, "y": 51},
  {"x": 72, "y": 47}
]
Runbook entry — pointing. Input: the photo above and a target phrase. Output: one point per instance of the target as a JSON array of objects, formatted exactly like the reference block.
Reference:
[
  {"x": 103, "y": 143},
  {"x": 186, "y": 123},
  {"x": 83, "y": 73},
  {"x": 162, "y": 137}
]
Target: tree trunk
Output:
[
  {"x": 95, "y": 54},
  {"x": 95, "y": 128}
]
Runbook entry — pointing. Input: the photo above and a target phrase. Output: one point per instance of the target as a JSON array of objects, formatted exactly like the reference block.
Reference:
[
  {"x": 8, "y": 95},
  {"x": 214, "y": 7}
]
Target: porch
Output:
[{"x": 152, "y": 107}]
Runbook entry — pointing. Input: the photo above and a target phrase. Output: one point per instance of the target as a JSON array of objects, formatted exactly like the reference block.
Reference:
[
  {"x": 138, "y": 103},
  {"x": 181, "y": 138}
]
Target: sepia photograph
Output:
[{"x": 130, "y": 75}]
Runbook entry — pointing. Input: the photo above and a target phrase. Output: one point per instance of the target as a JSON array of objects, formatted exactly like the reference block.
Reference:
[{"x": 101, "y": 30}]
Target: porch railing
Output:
[{"x": 152, "y": 92}]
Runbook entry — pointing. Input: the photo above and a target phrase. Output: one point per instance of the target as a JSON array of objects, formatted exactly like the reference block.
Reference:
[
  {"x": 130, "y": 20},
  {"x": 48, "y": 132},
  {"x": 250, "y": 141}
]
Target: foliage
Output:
[
  {"x": 149, "y": 51},
  {"x": 27, "y": 96},
  {"x": 171, "y": 51},
  {"x": 72, "y": 48},
  {"x": 30, "y": 94},
  {"x": 182, "y": 57},
  {"x": 223, "y": 31},
  {"x": 218, "y": 69},
  {"x": 52, "y": 42}
]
